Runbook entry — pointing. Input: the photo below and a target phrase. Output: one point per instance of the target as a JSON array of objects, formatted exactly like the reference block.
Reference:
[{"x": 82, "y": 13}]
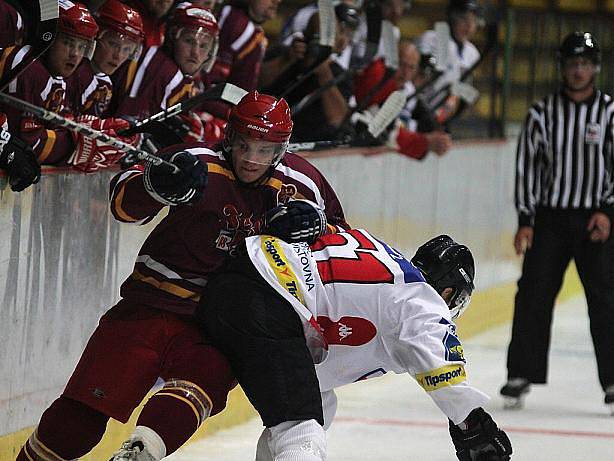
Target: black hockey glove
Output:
[
  {"x": 297, "y": 221},
  {"x": 19, "y": 161},
  {"x": 180, "y": 188},
  {"x": 479, "y": 439}
]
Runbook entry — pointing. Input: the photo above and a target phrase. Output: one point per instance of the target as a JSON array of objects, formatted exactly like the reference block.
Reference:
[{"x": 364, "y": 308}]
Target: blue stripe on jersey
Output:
[{"x": 410, "y": 272}]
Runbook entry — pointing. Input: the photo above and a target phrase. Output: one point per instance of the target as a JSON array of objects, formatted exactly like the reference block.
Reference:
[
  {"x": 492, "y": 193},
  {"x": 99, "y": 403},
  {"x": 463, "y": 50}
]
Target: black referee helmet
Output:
[
  {"x": 579, "y": 44},
  {"x": 447, "y": 264}
]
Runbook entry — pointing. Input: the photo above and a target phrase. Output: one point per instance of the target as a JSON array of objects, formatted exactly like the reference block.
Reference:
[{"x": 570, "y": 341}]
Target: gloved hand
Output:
[
  {"x": 18, "y": 159},
  {"x": 188, "y": 127},
  {"x": 183, "y": 187},
  {"x": 90, "y": 154},
  {"x": 297, "y": 221},
  {"x": 479, "y": 439}
]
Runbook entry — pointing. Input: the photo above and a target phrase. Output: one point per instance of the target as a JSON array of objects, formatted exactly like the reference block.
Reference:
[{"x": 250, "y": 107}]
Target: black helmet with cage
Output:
[{"x": 447, "y": 264}]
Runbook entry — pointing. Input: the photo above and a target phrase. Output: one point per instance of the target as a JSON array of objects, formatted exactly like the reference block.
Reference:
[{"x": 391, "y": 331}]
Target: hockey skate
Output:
[
  {"x": 133, "y": 450},
  {"x": 514, "y": 392},
  {"x": 609, "y": 398}
]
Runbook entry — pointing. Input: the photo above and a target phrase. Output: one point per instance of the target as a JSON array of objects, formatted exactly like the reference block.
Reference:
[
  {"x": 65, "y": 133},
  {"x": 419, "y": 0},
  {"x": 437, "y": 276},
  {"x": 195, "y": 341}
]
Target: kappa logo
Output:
[{"x": 347, "y": 331}]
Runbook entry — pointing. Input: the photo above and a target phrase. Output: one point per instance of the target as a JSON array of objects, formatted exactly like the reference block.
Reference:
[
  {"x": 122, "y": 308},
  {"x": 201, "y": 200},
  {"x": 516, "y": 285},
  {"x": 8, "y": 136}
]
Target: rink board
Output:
[{"x": 65, "y": 258}]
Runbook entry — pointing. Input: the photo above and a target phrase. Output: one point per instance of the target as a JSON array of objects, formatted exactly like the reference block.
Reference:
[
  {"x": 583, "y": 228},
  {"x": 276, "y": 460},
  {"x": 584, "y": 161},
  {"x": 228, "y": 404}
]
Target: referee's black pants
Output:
[{"x": 559, "y": 236}]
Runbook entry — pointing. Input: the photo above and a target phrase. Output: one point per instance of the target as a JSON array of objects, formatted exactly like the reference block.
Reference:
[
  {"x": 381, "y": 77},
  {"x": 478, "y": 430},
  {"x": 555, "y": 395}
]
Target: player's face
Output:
[
  {"x": 66, "y": 54},
  {"x": 112, "y": 50},
  {"x": 252, "y": 158},
  {"x": 263, "y": 10},
  {"x": 578, "y": 72},
  {"x": 464, "y": 26},
  {"x": 192, "y": 48},
  {"x": 409, "y": 61},
  {"x": 392, "y": 10},
  {"x": 159, "y": 7}
]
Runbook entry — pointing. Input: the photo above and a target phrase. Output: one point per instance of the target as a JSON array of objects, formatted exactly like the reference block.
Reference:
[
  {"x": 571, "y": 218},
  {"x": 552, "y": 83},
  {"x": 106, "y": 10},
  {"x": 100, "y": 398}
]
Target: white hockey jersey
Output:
[
  {"x": 367, "y": 310},
  {"x": 459, "y": 60}
]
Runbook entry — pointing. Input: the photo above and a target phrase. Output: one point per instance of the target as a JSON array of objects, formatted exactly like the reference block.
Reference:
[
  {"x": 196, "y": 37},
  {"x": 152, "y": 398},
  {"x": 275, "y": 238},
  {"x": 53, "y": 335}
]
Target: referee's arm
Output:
[{"x": 529, "y": 143}]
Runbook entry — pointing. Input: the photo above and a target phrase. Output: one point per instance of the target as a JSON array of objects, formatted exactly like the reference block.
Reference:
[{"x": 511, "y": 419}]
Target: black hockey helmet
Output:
[
  {"x": 447, "y": 264},
  {"x": 579, "y": 44},
  {"x": 347, "y": 15},
  {"x": 464, "y": 6}
]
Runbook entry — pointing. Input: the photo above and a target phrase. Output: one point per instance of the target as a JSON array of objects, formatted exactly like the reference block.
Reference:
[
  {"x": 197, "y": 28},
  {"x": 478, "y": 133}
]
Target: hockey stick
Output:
[
  {"x": 226, "y": 92},
  {"x": 384, "y": 117},
  {"x": 41, "y": 23},
  {"x": 327, "y": 26},
  {"x": 85, "y": 130}
]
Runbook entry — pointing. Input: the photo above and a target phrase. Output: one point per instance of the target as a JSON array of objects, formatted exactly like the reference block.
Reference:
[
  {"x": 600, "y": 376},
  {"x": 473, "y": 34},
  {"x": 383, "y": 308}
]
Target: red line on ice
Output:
[{"x": 520, "y": 430}]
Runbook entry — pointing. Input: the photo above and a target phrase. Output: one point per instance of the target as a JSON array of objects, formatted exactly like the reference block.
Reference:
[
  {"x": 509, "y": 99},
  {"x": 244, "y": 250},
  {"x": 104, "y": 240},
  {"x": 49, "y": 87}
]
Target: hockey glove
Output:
[
  {"x": 183, "y": 187},
  {"x": 187, "y": 127},
  {"x": 297, "y": 221},
  {"x": 479, "y": 439},
  {"x": 91, "y": 155},
  {"x": 19, "y": 161}
]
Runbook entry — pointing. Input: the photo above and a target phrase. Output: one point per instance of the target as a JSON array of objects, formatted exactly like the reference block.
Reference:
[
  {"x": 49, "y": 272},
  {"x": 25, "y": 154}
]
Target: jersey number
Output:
[{"x": 357, "y": 265}]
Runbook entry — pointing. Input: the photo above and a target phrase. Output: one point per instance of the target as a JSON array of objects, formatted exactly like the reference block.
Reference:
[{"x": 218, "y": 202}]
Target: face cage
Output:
[
  {"x": 459, "y": 303},
  {"x": 208, "y": 63},
  {"x": 134, "y": 56},
  {"x": 279, "y": 153}
]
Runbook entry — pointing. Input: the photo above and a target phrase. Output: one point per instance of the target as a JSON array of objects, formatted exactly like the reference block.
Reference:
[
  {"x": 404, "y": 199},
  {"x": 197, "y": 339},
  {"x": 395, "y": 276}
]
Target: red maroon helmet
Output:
[
  {"x": 260, "y": 116},
  {"x": 75, "y": 20},
  {"x": 120, "y": 18},
  {"x": 191, "y": 16}
]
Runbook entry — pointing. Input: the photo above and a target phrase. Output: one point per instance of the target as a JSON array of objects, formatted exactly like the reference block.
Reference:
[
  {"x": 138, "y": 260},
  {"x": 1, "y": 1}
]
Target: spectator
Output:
[
  {"x": 165, "y": 75},
  {"x": 154, "y": 14},
  {"x": 565, "y": 204},
  {"x": 463, "y": 17},
  {"x": 242, "y": 44}
]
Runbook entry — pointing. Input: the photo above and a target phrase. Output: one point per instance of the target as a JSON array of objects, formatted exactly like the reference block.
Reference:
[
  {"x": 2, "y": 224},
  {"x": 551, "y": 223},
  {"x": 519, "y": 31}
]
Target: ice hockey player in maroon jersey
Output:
[
  {"x": 216, "y": 200},
  {"x": 11, "y": 25},
  {"x": 120, "y": 38},
  {"x": 165, "y": 75},
  {"x": 43, "y": 82},
  {"x": 242, "y": 42},
  {"x": 154, "y": 14}
]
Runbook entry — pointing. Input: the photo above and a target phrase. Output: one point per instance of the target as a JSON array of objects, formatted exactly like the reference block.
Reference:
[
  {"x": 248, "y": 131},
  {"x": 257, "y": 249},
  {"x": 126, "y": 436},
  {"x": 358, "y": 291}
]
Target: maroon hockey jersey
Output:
[
  {"x": 37, "y": 86},
  {"x": 89, "y": 92},
  {"x": 11, "y": 25},
  {"x": 152, "y": 84},
  {"x": 241, "y": 49},
  {"x": 172, "y": 266}
]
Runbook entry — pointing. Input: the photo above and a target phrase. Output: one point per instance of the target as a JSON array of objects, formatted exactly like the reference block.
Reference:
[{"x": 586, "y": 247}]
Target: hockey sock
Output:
[
  {"x": 173, "y": 419},
  {"x": 298, "y": 441},
  {"x": 67, "y": 430}
]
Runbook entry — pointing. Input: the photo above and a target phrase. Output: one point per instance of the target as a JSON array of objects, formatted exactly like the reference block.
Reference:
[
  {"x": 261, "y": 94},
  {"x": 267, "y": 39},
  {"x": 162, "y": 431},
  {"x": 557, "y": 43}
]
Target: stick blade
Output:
[
  {"x": 328, "y": 22},
  {"x": 388, "y": 113},
  {"x": 232, "y": 93}
]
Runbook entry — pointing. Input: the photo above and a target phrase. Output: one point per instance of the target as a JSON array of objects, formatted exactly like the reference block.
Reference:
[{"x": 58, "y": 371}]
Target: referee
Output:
[{"x": 565, "y": 204}]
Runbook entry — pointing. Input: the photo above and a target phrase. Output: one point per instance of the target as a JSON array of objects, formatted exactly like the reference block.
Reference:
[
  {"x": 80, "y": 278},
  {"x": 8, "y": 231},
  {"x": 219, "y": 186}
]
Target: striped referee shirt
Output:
[{"x": 565, "y": 156}]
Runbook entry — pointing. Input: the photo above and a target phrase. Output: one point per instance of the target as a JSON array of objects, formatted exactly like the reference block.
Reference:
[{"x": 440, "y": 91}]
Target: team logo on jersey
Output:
[
  {"x": 99, "y": 100},
  {"x": 593, "y": 133},
  {"x": 347, "y": 331},
  {"x": 236, "y": 226},
  {"x": 453, "y": 347},
  {"x": 285, "y": 193},
  {"x": 55, "y": 99}
]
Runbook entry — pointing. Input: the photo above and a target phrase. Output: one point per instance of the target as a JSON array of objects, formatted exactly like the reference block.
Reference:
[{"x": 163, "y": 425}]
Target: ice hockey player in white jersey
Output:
[{"x": 296, "y": 320}]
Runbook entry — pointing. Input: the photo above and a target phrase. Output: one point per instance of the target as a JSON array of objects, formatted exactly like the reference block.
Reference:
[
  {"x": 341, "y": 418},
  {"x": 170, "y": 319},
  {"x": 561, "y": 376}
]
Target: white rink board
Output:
[{"x": 391, "y": 418}]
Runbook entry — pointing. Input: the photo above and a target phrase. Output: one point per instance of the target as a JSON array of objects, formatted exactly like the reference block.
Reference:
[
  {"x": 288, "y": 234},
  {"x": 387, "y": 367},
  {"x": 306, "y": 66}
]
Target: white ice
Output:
[{"x": 392, "y": 419}]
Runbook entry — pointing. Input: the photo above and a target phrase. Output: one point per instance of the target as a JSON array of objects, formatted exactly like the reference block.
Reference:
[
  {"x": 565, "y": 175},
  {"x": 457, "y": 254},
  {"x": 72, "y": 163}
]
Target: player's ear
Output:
[{"x": 447, "y": 294}]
